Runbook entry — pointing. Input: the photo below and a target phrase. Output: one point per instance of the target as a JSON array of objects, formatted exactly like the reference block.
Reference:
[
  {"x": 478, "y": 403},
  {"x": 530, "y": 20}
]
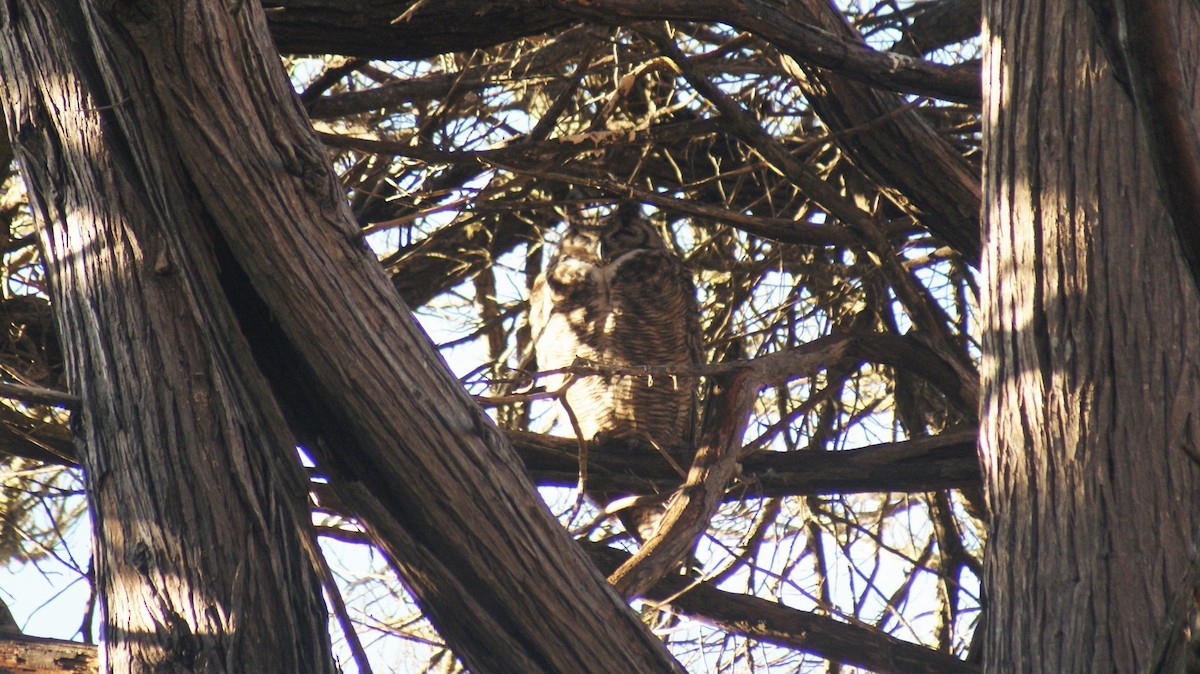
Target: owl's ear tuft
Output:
[{"x": 628, "y": 212}]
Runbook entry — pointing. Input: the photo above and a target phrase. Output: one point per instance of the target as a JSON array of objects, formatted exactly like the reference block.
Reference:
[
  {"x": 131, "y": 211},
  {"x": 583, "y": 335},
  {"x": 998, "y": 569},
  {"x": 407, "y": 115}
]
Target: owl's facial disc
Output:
[
  {"x": 623, "y": 236},
  {"x": 581, "y": 243}
]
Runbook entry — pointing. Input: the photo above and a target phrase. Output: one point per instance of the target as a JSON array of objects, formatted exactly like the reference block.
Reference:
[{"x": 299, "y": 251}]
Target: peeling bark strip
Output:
[
  {"x": 195, "y": 494},
  {"x": 440, "y": 489},
  {"x": 1091, "y": 366}
]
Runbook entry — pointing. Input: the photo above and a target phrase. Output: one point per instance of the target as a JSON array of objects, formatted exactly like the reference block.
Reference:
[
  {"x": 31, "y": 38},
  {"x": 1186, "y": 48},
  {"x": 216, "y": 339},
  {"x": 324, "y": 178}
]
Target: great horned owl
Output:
[{"x": 614, "y": 295}]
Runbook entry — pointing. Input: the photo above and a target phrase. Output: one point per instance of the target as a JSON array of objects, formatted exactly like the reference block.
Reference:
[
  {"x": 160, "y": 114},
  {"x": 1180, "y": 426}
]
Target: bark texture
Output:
[
  {"x": 20, "y": 654},
  {"x": 1091, "y": 367},
  {"x": 202, "y": 557},
  {"x": 437, "y": 484}
]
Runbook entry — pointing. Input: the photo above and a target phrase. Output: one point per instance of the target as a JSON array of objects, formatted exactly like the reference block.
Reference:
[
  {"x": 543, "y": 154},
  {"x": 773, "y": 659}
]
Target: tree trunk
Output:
[
  {"x": 202, "y": 554},
  {"x": 1091, "y": 366},
  {"x": 242, "y": 178}
]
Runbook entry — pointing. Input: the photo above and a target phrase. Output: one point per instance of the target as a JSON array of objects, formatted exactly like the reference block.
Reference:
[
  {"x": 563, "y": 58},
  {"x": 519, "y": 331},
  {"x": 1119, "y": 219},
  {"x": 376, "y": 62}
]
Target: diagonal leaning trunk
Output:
[{"x": 195, "y": 123}]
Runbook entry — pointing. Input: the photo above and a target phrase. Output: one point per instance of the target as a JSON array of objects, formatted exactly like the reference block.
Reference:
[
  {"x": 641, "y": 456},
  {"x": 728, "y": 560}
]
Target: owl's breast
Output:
[{"x": 637, "y": 310}]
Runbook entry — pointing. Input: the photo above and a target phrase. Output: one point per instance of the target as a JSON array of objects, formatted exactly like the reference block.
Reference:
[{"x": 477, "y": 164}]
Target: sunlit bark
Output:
[
  {"x": 1091, "y": 365},
  {"x": 196, "y": 498}
]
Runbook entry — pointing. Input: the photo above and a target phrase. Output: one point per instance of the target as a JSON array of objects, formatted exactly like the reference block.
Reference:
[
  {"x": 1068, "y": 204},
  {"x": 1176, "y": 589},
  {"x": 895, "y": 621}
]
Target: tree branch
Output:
[
  {"x": 37, "y": 395},
  {"x": 35, "y": 655},
  {"x": 736, "y": 387},
  {"x": 775, "y": 623},
  {"x": 770, "y": 21},
  {"x": 940, "y": 23},
  {"x": 946, "y": 461},
  {"x": 693, "y": 504},
  {"x": 944, "y": 195},
  {"x": 308, "y": 26},
  {"x": 371, "y": 29},
  {"x": 1164, "y": 105}
]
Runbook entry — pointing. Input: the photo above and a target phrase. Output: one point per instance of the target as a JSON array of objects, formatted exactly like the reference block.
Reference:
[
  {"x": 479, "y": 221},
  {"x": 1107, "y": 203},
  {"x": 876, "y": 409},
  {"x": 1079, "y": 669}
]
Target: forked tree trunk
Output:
[
  {"x": 198, "y": 115},
  {"x": 1091, "y": 366},
  {"x": 202, "y": 558}
]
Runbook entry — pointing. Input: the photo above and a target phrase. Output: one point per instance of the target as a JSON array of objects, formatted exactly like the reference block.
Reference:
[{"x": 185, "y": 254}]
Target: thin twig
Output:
[
  {"x": 36, "y": 395},
  {"x": 338, "y": 604}
]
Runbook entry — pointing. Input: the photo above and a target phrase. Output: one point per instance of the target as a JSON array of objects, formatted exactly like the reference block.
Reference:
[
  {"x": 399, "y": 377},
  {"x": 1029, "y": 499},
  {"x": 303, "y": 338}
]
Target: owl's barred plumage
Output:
[{"x": 614, "y": 295}]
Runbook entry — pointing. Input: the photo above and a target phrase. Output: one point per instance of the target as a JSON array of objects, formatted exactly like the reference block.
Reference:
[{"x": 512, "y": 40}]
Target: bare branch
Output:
[
  {"x": 47, "y": 656},
  {"x": 947, "y": 461},
  {"x": 36, "y": 395},
  {"x": 302, "y": 26},
  {"x": 778, "y": 624}
]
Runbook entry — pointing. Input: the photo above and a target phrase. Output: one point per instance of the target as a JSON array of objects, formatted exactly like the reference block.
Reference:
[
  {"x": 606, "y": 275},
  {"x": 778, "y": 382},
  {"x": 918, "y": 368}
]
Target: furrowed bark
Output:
[
  {"x": 439, "y": 487},
  {"x": 1091, "y": 367},
  {"x": 196, "y": 498},
  {"x": 20, "y": 654}
]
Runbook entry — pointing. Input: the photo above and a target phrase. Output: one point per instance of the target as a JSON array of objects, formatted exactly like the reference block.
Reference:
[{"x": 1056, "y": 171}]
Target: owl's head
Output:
[
  {"x": 626, "y": 230},
  {"x": 603, "y": 240}
]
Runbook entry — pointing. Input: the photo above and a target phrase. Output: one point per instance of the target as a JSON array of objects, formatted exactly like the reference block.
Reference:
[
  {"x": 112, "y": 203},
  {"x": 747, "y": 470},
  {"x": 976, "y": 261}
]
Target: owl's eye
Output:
[
  {"x": 579, "y": 244},
  {"x": 621, "y": 240}
]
